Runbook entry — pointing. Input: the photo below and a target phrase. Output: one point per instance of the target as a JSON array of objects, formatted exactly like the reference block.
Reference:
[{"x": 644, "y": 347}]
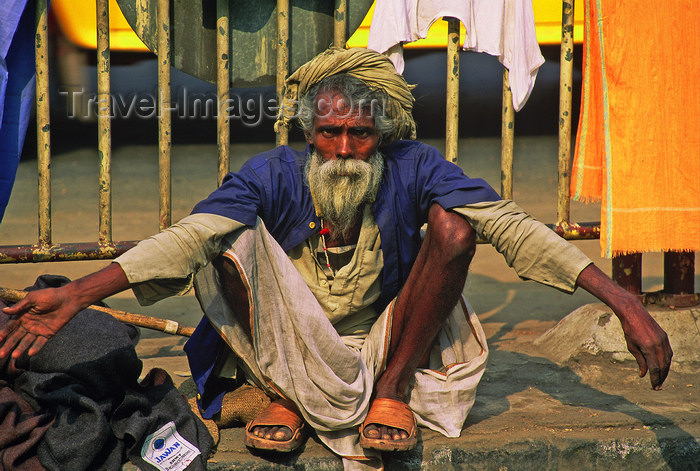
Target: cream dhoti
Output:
[{"x": 296, "y": 352}]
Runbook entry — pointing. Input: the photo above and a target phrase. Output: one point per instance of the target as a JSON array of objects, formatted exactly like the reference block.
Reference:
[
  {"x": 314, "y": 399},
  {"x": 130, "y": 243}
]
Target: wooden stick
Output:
[{"x": 162, "y": 325}]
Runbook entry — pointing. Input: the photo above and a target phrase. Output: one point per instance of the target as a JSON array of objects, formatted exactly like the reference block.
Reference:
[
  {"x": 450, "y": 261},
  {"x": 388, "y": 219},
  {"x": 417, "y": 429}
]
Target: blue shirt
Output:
[{"x": 272, "y": 186}]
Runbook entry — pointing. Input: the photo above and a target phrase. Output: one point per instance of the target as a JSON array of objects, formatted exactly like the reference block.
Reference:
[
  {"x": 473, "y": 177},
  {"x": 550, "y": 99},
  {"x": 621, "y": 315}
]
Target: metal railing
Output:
[{"x": 105, "y": 248}]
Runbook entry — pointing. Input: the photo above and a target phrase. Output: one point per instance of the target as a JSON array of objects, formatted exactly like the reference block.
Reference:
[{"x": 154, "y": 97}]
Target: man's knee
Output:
[{"x": 452, "y": 234}]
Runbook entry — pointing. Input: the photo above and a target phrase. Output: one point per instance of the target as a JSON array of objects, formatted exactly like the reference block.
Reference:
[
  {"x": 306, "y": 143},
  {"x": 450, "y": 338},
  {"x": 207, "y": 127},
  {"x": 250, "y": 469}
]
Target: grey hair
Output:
[{"x": 357, "y": 93}]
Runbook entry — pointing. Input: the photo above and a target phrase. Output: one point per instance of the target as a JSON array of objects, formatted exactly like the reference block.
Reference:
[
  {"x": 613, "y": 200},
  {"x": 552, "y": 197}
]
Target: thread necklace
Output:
[{"x": 322, "y": 233}]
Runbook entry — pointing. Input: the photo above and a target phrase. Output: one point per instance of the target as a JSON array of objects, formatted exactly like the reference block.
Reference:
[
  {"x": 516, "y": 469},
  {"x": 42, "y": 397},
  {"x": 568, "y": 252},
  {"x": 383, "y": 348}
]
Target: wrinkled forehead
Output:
[{"x": 336, "y": 104}]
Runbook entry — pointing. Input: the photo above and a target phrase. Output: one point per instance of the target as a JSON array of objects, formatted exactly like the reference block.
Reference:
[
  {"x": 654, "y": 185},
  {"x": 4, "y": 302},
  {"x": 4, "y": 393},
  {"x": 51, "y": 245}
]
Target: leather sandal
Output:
[
  {"x": 394, "y": 414},
  {"x": 280, "y": 413}
]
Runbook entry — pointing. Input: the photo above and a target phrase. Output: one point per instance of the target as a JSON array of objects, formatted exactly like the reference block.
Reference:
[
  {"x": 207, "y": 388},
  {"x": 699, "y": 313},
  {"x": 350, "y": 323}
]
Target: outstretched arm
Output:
[
  {"x": 537, "y": 253},
  {"x": 646, "y": 340},
  {"x": 173, "y": 254},
  {"x": 43, "y": 312}
]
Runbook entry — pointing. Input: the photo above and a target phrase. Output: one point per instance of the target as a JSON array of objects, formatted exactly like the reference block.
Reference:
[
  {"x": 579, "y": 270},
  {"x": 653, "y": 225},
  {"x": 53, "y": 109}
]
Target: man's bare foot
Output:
[
  {"x": 279, "y": 434},
  {"x": 390, "y": 426},
  {"x": 384, "y": 432},
  {"x": 279, "y": 427}
]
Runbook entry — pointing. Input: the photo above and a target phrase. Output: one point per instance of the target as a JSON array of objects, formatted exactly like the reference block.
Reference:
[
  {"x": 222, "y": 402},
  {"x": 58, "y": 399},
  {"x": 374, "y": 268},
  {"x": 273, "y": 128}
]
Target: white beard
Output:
[{"x": 340, "y": 188}]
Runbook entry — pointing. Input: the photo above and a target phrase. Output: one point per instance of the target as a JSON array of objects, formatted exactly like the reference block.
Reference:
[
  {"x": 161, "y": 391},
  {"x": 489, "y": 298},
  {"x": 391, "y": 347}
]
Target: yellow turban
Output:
[{"x": 373, "y": 68}]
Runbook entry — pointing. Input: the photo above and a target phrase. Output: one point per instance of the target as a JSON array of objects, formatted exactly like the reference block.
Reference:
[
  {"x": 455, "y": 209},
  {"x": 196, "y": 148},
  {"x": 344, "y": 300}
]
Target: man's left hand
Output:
[{"x": 646, "y": 340}]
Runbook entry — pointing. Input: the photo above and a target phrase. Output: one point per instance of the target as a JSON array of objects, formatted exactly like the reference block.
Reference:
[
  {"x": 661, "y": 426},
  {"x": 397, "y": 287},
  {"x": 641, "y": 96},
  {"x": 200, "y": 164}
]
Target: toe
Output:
[
  {"x": 395, "y": 434},
  {"x": 386, "y": 433},
  {"x": 371, "y": 431},
  {"x": 281, "y": 434}
]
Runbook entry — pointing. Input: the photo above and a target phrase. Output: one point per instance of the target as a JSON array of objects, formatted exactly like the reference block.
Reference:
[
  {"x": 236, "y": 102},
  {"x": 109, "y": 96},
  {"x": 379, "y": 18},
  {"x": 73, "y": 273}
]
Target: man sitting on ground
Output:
[{"x": 318, "y": 286}]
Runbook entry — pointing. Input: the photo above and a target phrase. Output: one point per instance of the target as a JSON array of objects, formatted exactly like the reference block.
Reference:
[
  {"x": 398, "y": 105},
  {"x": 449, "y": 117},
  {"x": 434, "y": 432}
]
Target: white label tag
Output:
[{"x": 167, "y": 450}]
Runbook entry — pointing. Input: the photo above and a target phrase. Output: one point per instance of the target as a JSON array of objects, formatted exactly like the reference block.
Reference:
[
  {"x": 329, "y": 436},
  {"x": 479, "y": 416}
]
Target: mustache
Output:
[{"x": 353, "y": 169}]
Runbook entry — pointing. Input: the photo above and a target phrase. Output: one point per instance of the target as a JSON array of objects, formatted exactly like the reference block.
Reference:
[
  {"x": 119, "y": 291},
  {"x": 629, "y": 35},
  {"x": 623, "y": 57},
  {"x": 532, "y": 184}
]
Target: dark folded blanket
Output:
[
  {"x": 86, "y": 377},
  {"x": 21, "y": 429}
]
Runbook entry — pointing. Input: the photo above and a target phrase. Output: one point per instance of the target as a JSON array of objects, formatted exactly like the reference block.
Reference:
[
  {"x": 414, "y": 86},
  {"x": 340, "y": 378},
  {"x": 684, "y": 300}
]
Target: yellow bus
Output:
[{"x": 76, "y": 19}]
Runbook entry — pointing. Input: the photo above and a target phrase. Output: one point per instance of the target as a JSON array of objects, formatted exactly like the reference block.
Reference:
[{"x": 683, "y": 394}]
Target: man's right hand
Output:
[
  {"x": 43, "y": 312},
  {"x": 36, "y": 319}
]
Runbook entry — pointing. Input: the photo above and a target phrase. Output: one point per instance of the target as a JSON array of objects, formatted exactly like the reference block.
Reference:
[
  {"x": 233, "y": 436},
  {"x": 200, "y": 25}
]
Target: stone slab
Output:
[{"x": 593, "y": 329}]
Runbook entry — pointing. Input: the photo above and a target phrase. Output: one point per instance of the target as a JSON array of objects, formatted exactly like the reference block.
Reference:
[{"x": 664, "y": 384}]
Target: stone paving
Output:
[{"x": 589, "y": 412}]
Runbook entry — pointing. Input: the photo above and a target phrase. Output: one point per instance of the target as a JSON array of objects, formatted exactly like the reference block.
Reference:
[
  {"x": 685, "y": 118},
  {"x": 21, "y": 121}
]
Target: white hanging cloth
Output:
[{"x": 502, "y": 28}]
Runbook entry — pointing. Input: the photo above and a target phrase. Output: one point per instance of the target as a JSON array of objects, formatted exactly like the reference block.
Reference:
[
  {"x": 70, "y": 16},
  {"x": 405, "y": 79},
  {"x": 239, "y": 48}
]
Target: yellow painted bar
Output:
[
  {"x": 43, "y": 122},
  {"x": 223, "y": 82},
  {"x": 282, "y": 137},
  {"x": 164, "y": 121},
  {"x": 340, "y": 24},
  {"x": 104, "y": 123},
  {"x": 452, "y": 89},
  {"x": 507, "y": 137},
  {"x": 565, "y": 91}
]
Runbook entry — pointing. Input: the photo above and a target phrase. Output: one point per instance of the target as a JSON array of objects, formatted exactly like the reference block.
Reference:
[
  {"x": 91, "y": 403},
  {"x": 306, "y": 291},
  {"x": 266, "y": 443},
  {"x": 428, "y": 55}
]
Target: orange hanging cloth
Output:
[{"x": 638, "y": 140}]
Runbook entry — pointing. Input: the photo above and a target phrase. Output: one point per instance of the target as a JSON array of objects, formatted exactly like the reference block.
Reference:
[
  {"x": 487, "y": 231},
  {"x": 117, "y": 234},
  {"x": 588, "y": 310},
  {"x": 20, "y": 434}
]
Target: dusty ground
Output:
[{"x": 530, "y": 413}]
